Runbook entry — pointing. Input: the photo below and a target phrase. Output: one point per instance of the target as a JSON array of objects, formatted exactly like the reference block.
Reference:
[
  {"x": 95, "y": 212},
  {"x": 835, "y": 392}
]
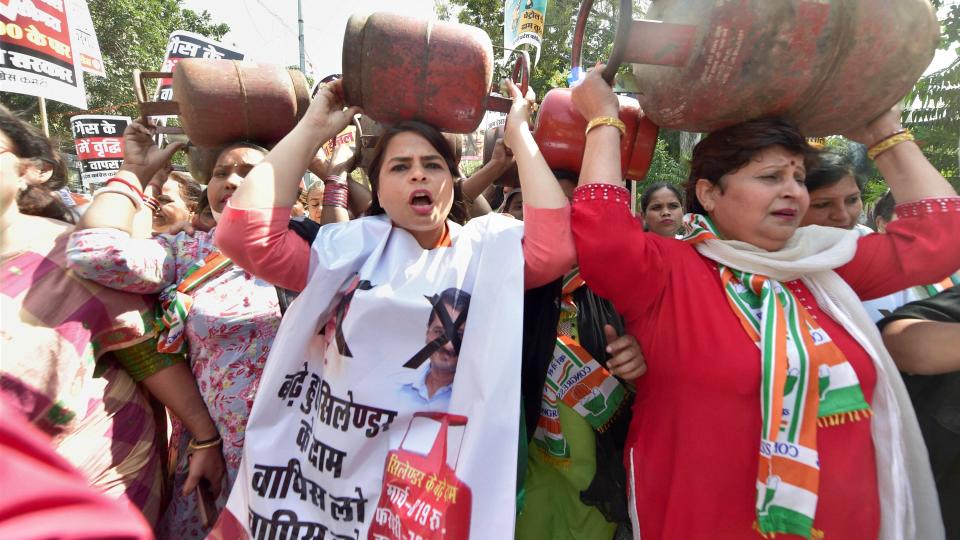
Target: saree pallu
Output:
[{"x": 57, "y": 332}]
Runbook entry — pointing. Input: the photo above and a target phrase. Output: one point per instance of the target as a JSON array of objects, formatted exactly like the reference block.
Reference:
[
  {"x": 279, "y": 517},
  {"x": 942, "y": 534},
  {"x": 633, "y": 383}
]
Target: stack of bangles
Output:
[
  {"x": 889, "y": 142},
  {"x": 194, "y": 444},
  {"x": 137, "y": 197},
  {"x": 335, "y": 192}
]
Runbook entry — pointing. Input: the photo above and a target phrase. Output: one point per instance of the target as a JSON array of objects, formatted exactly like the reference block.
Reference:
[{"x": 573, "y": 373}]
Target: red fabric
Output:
[
  {"x": 43, "y": 497},
  {"x": 694, "y": 437},
  {"x": 259, "y": 241}
]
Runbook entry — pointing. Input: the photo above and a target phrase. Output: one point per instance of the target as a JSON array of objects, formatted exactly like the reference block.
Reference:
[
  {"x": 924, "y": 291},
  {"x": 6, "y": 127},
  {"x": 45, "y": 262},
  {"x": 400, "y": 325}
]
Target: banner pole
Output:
[{"x": 43, "y": 116}]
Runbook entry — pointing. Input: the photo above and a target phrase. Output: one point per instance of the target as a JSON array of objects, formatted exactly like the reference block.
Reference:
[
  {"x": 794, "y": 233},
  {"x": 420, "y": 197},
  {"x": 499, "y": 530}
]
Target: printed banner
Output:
[
  {"x": 37, "y": 56},
  {"x": 184, "y": 44},
  {"x": 389, "y": 406},
  {"x": 347, "y": 136},
  {"x": 85, "y": 38},
  {"x": 523, "y": 22},
  {"x": 99, "y": 141}
]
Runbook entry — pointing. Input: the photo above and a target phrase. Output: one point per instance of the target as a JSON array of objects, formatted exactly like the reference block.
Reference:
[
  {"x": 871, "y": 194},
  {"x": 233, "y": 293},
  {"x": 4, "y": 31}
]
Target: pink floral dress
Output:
[{"x": 229, "y": 331}]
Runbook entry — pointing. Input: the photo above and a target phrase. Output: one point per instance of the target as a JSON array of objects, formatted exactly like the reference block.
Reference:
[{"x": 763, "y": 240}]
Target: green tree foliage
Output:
[
  {"x": 132, "y": 34},
  {"x": 561, "y": 18},
  {"x": 932, "y": 110}
]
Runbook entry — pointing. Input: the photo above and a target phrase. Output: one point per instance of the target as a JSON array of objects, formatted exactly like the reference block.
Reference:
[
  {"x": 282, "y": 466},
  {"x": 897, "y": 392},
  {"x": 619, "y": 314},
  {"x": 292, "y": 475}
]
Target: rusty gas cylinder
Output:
[
  {"x": 222, "y": 101},
  {"x": 828, "y": 65},
  {"x": 559, "y": 132},
  {"x": 402, "y": 68}
]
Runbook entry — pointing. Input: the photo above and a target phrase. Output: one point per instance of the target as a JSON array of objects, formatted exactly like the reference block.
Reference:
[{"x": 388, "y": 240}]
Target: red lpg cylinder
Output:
[
  {"x": 403, "y": 68},
  {"x": 559, "y": 133},
  {"x": 399, "y": 68},
  {"x": 828, "y": 65},
  {"x": 222, "y": 101}
]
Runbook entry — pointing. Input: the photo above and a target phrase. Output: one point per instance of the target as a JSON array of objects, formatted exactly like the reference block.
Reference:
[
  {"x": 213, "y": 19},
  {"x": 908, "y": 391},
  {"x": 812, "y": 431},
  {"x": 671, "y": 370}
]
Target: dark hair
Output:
[
  {"x": 203, "y": 202},
  {"x": 31, "y": 145},
  {"x": 453, "y": 297},
  {"x": 883, "y": 209},
  {"x": 508, "y": 198},
  {"x": 240, "y": 144},
  {"x": 563, "y": 174},
  {"x": 727, "y": 150},
  {"x": 190, "y": 189},
  {"x": 458, "y": 212},
  {"x": 832, "y": 168},
  {"x": 647, "y": 193}
]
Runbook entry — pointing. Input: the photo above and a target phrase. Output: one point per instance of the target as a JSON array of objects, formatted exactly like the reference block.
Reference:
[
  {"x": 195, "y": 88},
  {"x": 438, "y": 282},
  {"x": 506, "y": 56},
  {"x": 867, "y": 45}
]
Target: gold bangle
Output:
[
  {"x": 888, "y": 143},
  {"x": 193, "y": 445},
  {"x": 607, "y": 121}
]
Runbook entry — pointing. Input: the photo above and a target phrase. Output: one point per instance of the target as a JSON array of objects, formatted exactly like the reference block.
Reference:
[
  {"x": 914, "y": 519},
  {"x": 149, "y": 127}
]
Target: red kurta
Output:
[{"x": 693, "y": 442}]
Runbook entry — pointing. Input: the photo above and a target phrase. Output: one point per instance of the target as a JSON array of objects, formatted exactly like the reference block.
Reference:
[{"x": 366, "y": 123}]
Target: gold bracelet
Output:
[
  {"x": 888, "y": 143},
  {"x": 193, "y": 445},
  {"x": 607, "y": 121}
]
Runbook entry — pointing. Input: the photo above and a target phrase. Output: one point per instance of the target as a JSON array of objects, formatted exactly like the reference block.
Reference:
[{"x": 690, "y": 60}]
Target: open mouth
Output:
[
  {"x": 421, "y": 201},
  {"x": 785, "y": 213}
]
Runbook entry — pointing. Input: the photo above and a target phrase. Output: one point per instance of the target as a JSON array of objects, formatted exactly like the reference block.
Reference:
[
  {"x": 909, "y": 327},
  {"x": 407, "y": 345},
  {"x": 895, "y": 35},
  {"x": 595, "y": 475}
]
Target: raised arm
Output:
[
  {"x": 594, "y": 98},
  {"x": 617, "y": 258},
  {"x": 500, "y": 160},
  {"x": 253, "y": 229},
  {"x": 341, "y": 196},
  {"x": 101, "y": 248},
  {"x": 273, "y": 183},
  {"x": 921, "y": 246},
  {"x": 540, "y": 186},
  {"x": 908, "y": 173},
  {"x": 548, "y": 250},
  {"x": 115, "y": 206}
]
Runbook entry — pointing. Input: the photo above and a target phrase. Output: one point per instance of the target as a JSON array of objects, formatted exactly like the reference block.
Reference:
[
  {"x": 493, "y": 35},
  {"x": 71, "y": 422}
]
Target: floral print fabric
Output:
[{"x": 229, "y": 331}]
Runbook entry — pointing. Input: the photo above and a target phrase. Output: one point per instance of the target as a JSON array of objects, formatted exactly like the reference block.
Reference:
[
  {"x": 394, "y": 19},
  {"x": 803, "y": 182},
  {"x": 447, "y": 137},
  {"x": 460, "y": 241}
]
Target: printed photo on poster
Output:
[{"x": 436, "y": 363}]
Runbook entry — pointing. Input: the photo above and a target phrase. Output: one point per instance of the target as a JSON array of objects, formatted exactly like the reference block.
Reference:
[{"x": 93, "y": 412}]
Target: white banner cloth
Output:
[{"x": 336, "y": 395}]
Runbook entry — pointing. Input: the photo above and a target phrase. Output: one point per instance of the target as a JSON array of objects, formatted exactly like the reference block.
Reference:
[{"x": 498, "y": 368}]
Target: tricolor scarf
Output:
[
  {"x": 937, "y": 288},
  {"x": 175, "y": 302},
  {"x": 806, "y": 382},
  {"x": 575, "y": 379}
]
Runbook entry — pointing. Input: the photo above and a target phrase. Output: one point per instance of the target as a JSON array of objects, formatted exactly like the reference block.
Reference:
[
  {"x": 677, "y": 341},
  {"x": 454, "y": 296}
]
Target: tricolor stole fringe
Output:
[
  {"x": 806, "y": 383},
  {"x": 941, "y": 286},
  {"x": 576, "y": 379},
  {"x": 175, "y": 302}
]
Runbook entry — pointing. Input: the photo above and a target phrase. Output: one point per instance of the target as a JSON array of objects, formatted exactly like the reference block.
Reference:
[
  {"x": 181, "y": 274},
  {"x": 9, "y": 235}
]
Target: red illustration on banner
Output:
[{"x": 422, "y": 498}]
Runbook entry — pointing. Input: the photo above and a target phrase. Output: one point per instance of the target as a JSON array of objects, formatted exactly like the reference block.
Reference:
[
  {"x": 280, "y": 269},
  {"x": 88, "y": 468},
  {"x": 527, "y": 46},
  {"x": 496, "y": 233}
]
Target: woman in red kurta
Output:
[{"x": 693, "y": 450}]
